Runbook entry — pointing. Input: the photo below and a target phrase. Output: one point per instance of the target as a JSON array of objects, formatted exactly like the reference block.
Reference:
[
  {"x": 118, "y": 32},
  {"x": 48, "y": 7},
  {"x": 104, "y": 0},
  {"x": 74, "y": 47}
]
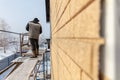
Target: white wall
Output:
[
  {"x": 117, "y": 37},
  {"x": 110, "y": 46}
]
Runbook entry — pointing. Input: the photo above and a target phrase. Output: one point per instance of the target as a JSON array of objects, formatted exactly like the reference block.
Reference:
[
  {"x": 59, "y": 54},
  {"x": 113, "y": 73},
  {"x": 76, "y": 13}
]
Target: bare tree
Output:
[
  {"x": 4, "y": 36},
  {"x": 15, "y": 43}
]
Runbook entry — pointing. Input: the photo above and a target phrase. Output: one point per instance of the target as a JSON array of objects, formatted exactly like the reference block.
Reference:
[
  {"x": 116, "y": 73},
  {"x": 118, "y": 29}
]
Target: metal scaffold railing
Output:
[
  {"x": 20, "y": 38},
  {"x": 42, "y": 67},
  {"x": 9, "y": 41}
]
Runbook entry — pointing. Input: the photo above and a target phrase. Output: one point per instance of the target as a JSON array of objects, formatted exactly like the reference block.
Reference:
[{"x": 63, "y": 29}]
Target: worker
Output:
[{"x": 34, "y": 29}]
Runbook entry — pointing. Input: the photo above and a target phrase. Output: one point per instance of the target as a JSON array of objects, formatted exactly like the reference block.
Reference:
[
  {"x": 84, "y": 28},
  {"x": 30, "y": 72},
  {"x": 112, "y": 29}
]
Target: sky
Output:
[{"x": 17, "y": 13}]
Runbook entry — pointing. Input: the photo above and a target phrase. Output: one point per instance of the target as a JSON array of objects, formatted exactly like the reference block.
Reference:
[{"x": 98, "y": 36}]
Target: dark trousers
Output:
[{"x": 34, "y": 44}]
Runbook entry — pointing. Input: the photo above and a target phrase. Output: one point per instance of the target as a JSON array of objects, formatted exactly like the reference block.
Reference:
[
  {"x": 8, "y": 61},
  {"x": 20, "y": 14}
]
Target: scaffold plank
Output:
[{"x": 24, "y": 71}]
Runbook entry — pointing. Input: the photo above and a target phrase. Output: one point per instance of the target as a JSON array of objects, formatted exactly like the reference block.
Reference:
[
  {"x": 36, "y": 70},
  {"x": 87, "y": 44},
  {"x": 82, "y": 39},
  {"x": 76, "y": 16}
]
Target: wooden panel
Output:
[
  {"x": 79, "y": 27},
  {"x": 62, "y": 20},
  {"x": 68, "y": 67},
  {"x": 78, "y": 6},
  {"x": 55, "y": 65},
  {"x": 62, "y": 6},
  {"x": 77, "y": 53},
  {"x": 72, "y": 11},
  {"x": 89, "y": 22},
  {"x": 85, "y": 77},
  {"x": 75, "y": 40},
  {"x": 52, "y": 11}
]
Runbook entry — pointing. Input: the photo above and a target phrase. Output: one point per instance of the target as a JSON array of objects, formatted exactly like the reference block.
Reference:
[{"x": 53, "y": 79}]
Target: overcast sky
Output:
[{"x": 18, "y": 12}]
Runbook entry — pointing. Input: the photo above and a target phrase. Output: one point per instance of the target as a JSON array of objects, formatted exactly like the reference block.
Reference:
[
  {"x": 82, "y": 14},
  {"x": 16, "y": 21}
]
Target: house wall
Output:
[{"x": 75, "y": 39}]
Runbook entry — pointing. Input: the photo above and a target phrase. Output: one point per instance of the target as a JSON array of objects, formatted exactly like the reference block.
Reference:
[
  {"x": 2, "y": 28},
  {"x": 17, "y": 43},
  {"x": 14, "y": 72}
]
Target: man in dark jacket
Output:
[{"x": 34, "y": 28}]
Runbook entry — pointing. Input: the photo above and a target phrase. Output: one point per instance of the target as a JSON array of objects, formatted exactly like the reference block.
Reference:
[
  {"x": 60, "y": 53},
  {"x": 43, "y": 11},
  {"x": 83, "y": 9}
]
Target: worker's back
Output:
[{"x": 34, "y": 30}]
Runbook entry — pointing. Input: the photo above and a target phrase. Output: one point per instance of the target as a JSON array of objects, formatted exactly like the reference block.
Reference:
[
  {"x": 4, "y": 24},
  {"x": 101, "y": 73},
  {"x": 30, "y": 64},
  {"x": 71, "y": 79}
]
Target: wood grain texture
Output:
[
  {"x": 23, "y": 71},
  {"x": 75, "y": 39}
]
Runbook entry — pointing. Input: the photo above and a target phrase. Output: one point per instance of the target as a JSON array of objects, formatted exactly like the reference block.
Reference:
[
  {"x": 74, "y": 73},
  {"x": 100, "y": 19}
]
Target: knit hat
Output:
[{"x": 36, "y": 20}]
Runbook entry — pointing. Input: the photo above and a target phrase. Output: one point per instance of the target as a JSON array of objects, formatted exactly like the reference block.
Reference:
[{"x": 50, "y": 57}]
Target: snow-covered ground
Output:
[
  {"x": 9, "y": 52},
  {"x": 3, "y": 55}
]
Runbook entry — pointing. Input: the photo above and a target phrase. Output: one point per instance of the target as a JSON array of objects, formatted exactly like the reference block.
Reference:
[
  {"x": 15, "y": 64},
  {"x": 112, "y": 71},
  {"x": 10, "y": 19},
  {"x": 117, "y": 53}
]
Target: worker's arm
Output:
[
  {"x": 27, "y": 27},
  {"x": 40, "y": 29}
]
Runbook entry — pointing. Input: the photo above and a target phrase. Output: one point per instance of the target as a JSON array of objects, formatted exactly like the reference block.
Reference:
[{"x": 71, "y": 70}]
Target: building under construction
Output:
[{"x": 84, "y": 43}]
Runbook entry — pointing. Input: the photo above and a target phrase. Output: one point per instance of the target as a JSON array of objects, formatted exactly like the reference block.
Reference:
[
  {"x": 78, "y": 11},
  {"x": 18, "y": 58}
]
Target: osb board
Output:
[
  {"x": 66, "y": 68},
  {"x": 52, "y": 11},
  {"x": 62, "y": 8},
  {"x": 85, "y": 77},
  {"x": 58, "y": 11},
  {"x": 75, "y": 40},
  {"x": 54, "y": 65},
  {"x": 79, "y": 52},
  {"x": 71, "y": 10},
  {"x": 78, "y": 5},
  {"x": 62, "y": 21},
  {"x": 85, "y": 24},
  {"x": 83, "y": 54}
]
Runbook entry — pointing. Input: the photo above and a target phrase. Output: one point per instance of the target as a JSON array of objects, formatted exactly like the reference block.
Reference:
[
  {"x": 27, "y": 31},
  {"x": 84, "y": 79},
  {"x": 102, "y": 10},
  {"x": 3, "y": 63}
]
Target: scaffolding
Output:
[{"x": 40, "y": 62}]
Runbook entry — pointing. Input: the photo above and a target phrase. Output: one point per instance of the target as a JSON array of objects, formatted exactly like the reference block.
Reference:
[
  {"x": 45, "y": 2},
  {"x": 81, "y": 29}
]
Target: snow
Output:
[
  {"x": 9, "y": 52},
  {"x": 3, "y": 55}
]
